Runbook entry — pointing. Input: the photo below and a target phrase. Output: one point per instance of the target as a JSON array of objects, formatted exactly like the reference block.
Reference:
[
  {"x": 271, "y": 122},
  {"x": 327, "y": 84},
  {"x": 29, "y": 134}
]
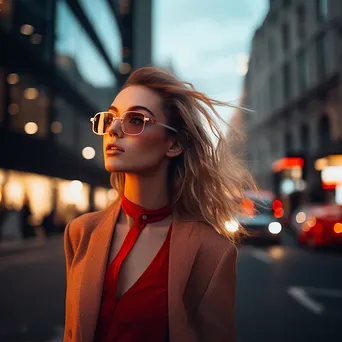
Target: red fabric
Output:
[{"x": 141, "y": 313}]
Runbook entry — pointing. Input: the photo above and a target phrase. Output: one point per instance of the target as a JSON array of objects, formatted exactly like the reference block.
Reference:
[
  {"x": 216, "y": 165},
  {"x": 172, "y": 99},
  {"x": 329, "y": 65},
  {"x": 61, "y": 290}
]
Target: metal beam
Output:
[{"x": 77, "y": 9}]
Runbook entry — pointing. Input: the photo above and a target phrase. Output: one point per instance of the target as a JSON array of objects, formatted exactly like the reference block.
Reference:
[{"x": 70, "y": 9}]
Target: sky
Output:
[{"x": 207, "y": 42}]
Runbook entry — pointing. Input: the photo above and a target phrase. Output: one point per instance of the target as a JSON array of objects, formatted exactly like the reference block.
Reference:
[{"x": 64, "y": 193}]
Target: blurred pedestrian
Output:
[
  {"x": 158, "y": 263},
  {"x": 25, "y": 213},
  {"x": 49, "y": 223}
]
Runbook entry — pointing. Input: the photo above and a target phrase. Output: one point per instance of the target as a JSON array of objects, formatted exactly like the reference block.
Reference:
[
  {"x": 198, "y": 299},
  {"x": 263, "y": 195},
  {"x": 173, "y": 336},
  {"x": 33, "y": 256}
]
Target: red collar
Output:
[{"x": 142, "y": 214}]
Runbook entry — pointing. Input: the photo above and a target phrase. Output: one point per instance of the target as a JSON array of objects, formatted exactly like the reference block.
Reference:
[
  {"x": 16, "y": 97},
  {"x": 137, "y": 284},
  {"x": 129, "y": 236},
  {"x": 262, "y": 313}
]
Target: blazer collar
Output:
[
  {"x": 94, "y": 271},
  {"x": 183, "y": 249}
]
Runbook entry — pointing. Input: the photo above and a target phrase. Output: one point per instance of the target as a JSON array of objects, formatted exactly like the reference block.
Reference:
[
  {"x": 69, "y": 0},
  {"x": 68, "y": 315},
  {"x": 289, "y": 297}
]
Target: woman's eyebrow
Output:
[
  {"x": 132, "y": 108},
  {"x": 113, "y": 108},
  {"x": 141, "y": 108}
]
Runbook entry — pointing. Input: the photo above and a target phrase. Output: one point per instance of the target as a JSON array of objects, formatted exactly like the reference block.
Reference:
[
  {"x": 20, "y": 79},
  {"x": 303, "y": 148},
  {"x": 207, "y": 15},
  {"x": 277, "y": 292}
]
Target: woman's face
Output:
[{"x": 142, "y": 153}]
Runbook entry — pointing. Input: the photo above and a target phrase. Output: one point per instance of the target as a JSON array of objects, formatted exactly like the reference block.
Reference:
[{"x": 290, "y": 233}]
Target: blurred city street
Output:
[
  {"x": 276, "y": 64},
  {"x": 284, "y": 293}
]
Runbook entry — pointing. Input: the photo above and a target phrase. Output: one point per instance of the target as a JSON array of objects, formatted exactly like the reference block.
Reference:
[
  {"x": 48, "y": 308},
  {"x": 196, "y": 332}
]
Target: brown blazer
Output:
[{"x": 201, "y": 278}]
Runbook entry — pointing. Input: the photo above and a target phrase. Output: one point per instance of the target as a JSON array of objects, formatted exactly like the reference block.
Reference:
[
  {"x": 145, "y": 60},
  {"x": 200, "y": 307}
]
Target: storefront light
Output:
[
  {"x": 100, "y": 198},
  {"x": 112, "y": 195},
  {"x": 76, "y": 186},
  {"x": 2, "y": 177},
  {"x": 88, "y": 153},
  {"x": 31, "y": 93},
  {"x": 14, "y": 193},
  {"x": 74, "y": 193},
  {"x": 31, "y": 128},
  {"x": 26, "y": 29},
  {"x": 13, "y": 78}
]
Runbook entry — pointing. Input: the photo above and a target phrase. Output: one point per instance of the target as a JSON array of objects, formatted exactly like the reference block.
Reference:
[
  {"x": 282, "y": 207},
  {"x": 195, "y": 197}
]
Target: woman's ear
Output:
[{"x": 175, "y": 149}]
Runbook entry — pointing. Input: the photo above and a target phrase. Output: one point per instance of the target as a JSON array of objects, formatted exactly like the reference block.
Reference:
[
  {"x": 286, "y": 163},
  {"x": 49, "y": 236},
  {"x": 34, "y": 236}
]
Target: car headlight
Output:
[
  {"x": 232, "y": 226},
  {"x": 274, "y": 228}
]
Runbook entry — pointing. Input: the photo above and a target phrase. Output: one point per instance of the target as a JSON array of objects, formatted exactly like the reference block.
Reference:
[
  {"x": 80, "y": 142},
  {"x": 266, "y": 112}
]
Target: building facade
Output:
[
  {"x": 294, "y": 85},
  {"x": 60, "y": 63}
]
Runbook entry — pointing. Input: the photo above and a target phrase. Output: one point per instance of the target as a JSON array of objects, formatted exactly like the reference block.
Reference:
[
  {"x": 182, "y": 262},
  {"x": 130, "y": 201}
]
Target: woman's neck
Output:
[{"x": 150, "y": 192}]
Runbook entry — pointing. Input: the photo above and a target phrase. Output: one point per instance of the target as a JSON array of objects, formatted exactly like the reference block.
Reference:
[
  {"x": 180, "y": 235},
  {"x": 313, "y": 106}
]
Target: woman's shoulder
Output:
[
  {"x": 86, "y": 223},
  {"x": 212, "y": 242}
]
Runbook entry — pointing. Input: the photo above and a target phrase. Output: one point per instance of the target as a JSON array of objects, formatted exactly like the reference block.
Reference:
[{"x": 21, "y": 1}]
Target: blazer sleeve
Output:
[
  {"x": 68, "y": 249},
  {"x": 216, "y": 309}
]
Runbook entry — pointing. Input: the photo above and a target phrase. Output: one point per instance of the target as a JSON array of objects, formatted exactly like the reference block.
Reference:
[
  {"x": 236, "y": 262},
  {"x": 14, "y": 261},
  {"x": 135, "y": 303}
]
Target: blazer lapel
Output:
[
  {"x": 183, "y": 249},
  {"x": 94, "y": 272}
]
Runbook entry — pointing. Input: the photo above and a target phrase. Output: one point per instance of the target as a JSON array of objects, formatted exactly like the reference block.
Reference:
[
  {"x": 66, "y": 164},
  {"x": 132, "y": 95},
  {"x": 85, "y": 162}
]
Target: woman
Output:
[{"x": 158, "y": 264}]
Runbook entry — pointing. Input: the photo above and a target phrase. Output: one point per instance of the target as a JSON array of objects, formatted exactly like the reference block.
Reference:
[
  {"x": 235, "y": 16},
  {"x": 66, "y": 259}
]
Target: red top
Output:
[{"x": 141, "y": 313}]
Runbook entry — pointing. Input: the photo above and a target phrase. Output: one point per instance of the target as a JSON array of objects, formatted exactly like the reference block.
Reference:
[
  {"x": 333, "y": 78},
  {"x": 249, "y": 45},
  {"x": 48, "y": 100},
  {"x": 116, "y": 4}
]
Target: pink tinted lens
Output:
[
  {"x": 133, "y": 123},
  {"x": 102, "y": 122}
]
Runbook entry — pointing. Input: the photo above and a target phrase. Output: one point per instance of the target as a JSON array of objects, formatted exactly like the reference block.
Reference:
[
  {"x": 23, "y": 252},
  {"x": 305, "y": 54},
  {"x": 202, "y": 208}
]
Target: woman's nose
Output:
[{"x": 115, "y": 128}]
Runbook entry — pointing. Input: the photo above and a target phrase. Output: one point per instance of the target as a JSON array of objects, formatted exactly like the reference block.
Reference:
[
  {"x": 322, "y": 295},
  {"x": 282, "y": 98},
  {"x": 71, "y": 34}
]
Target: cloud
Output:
[
  {"x": 203, "y": 48},
  {"x": 205, "y": 41}
]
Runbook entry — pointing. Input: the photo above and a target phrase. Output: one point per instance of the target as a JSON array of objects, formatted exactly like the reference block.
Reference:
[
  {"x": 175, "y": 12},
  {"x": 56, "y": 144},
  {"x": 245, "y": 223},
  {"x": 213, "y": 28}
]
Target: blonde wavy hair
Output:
[{"x": 206, "y": 182}]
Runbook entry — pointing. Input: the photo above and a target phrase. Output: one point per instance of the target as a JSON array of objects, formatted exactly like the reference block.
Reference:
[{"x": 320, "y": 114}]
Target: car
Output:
[
  {"x": 261, "y": 220},
  {"x": 318, "y": 225}
]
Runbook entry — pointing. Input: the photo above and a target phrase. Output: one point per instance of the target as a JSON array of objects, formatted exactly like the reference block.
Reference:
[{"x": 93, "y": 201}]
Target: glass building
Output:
[{"x": 61, "y": 61}]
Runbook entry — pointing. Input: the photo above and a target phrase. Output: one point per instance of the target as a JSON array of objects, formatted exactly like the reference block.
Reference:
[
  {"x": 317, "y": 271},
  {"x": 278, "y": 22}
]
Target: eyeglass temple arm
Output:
[
  {"x": 167, "y": 126},
  {"x": 161, "y": 124}
]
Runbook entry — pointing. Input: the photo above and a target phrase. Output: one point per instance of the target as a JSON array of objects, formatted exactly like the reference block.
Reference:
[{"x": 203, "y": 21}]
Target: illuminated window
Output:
[{"x": 29, "y": 103}]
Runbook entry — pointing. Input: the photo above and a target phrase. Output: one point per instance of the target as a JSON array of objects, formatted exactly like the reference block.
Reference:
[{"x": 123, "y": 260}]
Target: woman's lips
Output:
[
  {"x": 113, "y": 149},
  {"x": 113, "y": 152}
]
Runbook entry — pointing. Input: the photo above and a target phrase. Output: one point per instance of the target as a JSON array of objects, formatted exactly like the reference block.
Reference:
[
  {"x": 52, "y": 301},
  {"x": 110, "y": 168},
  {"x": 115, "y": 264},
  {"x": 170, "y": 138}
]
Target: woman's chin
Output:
[{"x": 113, "y": 167}]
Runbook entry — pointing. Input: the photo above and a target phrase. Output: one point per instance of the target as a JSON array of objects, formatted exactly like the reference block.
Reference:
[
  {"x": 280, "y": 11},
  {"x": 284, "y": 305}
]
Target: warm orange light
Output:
[
  {"x": 13, "y": 78},
  {"x": 278, "y": 212},
  {"x": 287, "y": 163},
  {"x": 311, "y": 221},
  {"x": 31, "y": 93},
  {"x": 248, "y": 207},
  {"x": 305, "y": 227},
  {"x": 31, "y": 128},
  {"x": 338, "y": 228},
  {"x": 26, "y": 29}
]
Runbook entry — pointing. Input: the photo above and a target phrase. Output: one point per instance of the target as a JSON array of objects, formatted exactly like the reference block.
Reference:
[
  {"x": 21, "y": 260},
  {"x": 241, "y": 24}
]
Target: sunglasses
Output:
[{"x": 132, "y": 123}]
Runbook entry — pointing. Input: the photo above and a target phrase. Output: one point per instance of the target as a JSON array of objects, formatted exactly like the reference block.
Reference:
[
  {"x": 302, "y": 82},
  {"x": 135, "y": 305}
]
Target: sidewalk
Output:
[{"x": 17, "y": 246}]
